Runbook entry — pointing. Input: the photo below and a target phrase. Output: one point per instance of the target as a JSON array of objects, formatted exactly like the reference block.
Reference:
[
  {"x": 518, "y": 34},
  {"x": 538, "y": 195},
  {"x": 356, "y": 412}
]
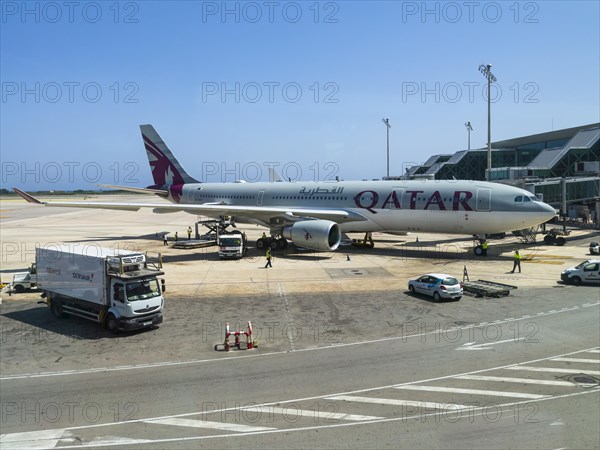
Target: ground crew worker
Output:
[
  {"x": 516, "y": 262},
  {"x": 268, "y": 255},
  {"x": 176, "y": 236},
  {"x": 165, "y": 240},
  {"x": 264, "y": 236},
  {"x": 484, "y": 247},
  {"x": 189, "y": 233}
]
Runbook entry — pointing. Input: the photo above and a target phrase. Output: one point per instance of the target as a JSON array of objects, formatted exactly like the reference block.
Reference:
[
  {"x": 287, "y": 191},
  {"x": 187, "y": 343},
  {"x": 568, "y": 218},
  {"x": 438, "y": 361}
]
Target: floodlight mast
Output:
[
  {"x": 388, "y": 126},
  {"x": 469, "y": 129},
  {"x": 486, "y": 70}
]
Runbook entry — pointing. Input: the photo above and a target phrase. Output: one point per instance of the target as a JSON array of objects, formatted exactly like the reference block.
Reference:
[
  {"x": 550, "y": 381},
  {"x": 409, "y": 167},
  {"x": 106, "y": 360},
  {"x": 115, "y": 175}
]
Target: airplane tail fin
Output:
[{"x": 166, "y": 170}]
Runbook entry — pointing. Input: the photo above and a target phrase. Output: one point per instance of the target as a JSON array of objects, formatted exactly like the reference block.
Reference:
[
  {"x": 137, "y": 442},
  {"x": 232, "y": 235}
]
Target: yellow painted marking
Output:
[
  {"x": 551, "y": 256},
  {"x": 539, "y": 261}
]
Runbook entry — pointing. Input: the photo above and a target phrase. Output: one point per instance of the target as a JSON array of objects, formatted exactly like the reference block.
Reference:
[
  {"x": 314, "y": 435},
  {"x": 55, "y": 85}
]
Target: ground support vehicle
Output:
[
  {"x": 586, "y": 272},
  {"x": 23, "y": 281},
  {"x": 117, "y": 288},
  {"x": 232, "y": 245},
  {"x": 556, "y": 236}
]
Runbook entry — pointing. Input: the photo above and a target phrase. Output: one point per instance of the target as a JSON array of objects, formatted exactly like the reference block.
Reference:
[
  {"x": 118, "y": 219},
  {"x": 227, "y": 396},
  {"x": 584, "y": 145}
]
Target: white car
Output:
[
  {"x": 586, "y": 272},
  {"x": 437, "y": 285},
  {"x": 594, "y": 248}
]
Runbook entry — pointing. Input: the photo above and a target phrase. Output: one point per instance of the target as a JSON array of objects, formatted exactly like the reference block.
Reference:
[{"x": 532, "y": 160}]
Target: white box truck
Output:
[
  {"x": 232, "y": 245},
  {"x": 115, "y": 287}
]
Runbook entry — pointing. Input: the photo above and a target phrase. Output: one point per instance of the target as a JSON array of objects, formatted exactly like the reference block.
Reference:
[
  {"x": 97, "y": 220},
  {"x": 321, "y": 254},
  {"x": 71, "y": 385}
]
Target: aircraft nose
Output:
[{"x": 548, "y": 211}]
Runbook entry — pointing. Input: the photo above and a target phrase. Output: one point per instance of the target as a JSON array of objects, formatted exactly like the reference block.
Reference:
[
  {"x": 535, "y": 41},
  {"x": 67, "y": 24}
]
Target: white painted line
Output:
[
  {"x": 105, "y": 441},
  {"x": 553, "y": 369},
  {"x": 288, "y": 316},
  {"x": 339, "y": 425},
  {"x": 522, "y": 380},
  {"x": 577, "y": 360},
  {"x": 294, "y": 412},
  {"x": 212, "y": 425},
  {"x": 395, "y": 402},
  {"x": 473, "y": 346},
  {"x": 593, "y": 351},
  {"x": 470, "y": 391},
  {"x": 31, "y": 439}
]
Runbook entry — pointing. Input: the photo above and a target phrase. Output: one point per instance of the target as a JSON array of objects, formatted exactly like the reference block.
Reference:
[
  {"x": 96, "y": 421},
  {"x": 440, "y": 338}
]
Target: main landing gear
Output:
[{"x": 275, "y": 243}]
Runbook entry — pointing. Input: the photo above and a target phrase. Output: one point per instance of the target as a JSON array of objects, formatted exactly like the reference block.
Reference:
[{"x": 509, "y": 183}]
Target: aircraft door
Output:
[
  {"x": 484, "y": 199},
  {"x": 259, "y": 197}
]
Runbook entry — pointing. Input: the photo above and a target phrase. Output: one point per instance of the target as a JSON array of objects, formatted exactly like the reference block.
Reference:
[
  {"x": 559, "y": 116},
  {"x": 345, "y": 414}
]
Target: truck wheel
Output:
[
  {"x": 549, "y": 239},
  {"x": 260, "y": 244},
  {"x": 478, "y": 250},
  {"x": 561, "y": 241},
  {"x": 19, "y": 289},
  {"x": 111, "y": 323},
  {"x": 576, "y": 281},
  {"x": 56, "y": 308}
]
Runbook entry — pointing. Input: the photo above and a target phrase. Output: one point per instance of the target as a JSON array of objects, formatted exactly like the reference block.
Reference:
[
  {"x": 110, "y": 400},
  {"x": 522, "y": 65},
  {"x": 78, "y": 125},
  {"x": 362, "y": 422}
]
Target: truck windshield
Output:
[
  {"x": 231, "y": 242},
  {"x": 141, "y": 290}
]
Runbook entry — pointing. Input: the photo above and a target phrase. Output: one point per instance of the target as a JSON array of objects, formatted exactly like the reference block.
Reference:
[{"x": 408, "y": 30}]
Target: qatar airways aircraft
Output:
[{"x": 314, "y": 215}]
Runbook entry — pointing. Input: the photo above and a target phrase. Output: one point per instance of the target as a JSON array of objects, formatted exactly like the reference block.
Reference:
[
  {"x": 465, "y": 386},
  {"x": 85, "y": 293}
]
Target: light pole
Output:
[
  {"x": 486, "y": 70},
  {"x": 469, "y": 129},
  {"x": 388, "y": 126}
]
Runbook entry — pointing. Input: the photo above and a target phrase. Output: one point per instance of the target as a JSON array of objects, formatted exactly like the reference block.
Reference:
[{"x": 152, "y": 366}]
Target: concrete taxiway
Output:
[{"x": 346, "y": 356}]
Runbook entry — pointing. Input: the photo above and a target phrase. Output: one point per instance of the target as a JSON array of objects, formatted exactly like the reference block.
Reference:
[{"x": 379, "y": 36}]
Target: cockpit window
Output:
[
  {"x": 518, "y": 199},
  {"x": 533, "y": 198},
  {"x": 526, "y": 199}
]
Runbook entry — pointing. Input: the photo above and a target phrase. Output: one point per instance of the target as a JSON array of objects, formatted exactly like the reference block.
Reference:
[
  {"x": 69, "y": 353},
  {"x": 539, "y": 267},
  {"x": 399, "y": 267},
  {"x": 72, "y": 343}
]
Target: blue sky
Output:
[{"x": 239, "y": 86}]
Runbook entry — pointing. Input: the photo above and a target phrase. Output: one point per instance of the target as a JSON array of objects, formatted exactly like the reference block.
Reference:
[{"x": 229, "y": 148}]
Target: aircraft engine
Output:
[{"x": 320, "y": 235}]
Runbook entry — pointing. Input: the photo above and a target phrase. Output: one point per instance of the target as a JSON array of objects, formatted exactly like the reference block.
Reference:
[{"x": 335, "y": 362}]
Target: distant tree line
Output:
[{"x": 75, "y": 192}]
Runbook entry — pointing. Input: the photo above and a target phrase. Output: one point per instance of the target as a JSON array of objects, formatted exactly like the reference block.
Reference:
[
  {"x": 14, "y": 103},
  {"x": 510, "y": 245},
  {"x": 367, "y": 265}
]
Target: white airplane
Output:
[{"x": 314, "y": 215}]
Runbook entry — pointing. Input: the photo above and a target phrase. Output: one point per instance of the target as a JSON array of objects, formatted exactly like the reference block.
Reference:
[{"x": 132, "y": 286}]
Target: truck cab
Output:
[
  {"x": 135, "y": 303},
  {"x": 232, "y": 245},
  {"x": 136, "y": 299}
]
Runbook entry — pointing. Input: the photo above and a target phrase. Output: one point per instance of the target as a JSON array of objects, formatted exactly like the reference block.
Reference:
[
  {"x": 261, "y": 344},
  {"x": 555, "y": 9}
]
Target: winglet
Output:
[{"x": 27, "y": 197}]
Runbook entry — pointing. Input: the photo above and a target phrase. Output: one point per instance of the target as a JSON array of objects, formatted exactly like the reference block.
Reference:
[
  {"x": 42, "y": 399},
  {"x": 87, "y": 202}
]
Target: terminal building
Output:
[{"x": 561, "y": 167}]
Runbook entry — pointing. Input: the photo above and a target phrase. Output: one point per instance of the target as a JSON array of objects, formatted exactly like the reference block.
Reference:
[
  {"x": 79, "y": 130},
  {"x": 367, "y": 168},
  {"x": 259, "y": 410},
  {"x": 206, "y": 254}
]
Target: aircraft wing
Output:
[
  {"x": 161, "y": 192},
  {"x": 262, "y": 213}
]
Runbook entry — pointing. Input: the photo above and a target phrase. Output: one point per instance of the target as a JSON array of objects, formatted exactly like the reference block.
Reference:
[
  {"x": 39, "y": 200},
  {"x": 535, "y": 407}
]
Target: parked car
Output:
[
  {"x": 437, "y": 285},
  {"x": 594, "y": 248},
  {"x": 586, "y": 272}
]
